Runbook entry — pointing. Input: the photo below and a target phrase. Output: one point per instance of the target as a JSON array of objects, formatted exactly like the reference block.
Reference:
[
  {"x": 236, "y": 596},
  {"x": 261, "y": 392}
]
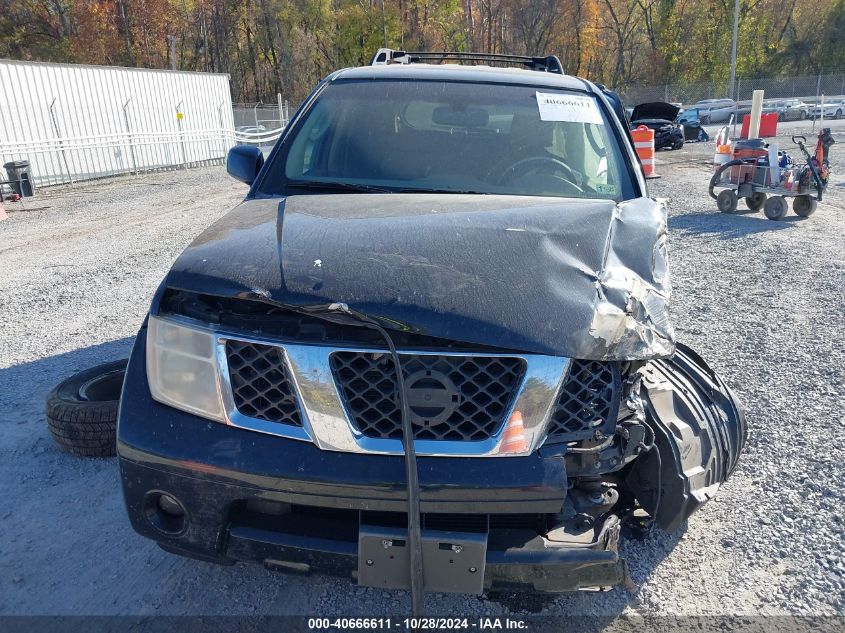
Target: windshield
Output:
[{"x": 436, "y": 136}]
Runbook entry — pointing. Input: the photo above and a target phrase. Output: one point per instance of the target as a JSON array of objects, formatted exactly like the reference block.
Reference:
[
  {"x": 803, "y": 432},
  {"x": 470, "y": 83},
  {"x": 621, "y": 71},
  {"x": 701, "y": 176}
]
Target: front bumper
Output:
[{"x": 286, "y": 503}]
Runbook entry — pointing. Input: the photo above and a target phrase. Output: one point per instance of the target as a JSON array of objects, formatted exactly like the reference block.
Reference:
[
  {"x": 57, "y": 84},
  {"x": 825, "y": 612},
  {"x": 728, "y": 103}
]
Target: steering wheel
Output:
[{"x": 535, "y": 163}]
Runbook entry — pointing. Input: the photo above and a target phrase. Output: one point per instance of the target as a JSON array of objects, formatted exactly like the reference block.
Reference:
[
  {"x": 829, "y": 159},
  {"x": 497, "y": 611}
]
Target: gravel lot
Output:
[{"x": 762, "y": 300}]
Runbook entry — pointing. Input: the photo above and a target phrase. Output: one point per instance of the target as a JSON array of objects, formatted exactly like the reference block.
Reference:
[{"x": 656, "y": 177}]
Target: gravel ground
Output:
[{"x": 762, "y": 300}]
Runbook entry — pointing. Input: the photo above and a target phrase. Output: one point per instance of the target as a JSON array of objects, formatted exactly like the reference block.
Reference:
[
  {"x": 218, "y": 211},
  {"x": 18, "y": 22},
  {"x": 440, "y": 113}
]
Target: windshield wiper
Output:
[{"x": 320, "y": 185}]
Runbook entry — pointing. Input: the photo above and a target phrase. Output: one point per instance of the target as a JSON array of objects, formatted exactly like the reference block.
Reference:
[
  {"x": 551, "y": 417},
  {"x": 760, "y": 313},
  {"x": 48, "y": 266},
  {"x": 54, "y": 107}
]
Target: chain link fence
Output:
[
  {"x": 262, "y": 119},
  {"x": 808, "y": 88}
]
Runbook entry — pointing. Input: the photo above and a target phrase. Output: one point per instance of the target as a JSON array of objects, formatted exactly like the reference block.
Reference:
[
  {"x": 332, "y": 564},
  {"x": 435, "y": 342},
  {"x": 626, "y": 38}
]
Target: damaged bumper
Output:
[
  {"x": 227, "y": 522},
  {"x": 235, "y": 495}
]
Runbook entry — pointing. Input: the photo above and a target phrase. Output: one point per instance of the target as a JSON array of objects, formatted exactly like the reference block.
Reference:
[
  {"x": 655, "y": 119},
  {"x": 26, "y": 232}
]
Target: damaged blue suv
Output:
[{"x": 431, "y": 349}]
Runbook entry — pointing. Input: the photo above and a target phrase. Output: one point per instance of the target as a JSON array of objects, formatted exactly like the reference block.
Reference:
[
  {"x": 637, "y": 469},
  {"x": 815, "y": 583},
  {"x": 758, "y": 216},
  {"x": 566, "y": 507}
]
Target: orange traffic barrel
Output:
[
  {"x": 514, "y": 440},
  {"x": 3, "y": 215},
  {"x": 644, "y": 144}
]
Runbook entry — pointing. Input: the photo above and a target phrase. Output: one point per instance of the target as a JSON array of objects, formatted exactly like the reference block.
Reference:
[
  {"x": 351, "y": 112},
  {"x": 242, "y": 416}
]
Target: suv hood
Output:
[
  {"x": 579, "y": 278},
  {"x": 655, "y": 110}
]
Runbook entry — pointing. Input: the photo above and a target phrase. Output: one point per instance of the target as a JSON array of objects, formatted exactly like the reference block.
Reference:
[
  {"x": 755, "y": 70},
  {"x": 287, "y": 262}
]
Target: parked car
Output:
[
  {"x": 715, "y": 110},
  {"x": 250, "y": 129},
  {"x": 832, "y": 110},
  {"x": 789, "y": 110},
  {"x": 430, "y": 349},
  {"x": 662, "y": 118}
]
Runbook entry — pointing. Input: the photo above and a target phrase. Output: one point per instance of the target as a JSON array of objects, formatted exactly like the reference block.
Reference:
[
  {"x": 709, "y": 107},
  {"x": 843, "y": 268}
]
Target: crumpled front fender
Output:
[{"x": 699, "y": 432}]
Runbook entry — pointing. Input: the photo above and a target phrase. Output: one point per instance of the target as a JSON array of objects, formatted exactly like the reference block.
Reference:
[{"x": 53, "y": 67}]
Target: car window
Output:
[{"x": 454, "y": 136}]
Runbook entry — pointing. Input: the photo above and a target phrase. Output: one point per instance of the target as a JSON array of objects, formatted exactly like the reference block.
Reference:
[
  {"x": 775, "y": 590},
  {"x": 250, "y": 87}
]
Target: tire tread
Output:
[{"x": 81, "y": 428}]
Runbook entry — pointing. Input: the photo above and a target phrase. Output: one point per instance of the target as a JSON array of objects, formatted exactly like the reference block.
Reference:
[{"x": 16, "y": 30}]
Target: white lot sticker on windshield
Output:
[{"x": 566, "y": 107}]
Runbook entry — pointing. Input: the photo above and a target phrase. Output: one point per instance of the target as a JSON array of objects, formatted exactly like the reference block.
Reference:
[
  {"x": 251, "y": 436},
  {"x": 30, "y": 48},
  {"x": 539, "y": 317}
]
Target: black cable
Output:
[
  {"x": 411, "y": 475},
  {"x": 652, "y": 446}
]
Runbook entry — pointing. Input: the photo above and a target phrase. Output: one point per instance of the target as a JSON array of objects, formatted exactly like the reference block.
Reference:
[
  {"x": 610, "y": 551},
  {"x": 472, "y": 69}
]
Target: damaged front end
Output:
[
  {"x": 547, "y": 398},
  {"x": 678, "y": 437}
]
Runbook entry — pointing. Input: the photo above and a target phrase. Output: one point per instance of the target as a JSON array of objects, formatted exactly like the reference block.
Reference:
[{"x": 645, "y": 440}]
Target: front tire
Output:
[
  {"x": 82, "y": 410},
  {"x": 776, "y": 208},
  {"x": 727, "y": 201}
]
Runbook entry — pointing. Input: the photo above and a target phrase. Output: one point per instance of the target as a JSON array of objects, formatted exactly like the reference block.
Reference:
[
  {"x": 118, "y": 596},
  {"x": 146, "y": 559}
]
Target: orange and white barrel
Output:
[
  {"x": 3, "y": 215},
  {"x": 644, "y": 144}
]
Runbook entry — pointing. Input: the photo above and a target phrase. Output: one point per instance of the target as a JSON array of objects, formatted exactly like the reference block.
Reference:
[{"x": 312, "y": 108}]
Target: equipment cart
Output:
[{"x": 766, "y": 178}]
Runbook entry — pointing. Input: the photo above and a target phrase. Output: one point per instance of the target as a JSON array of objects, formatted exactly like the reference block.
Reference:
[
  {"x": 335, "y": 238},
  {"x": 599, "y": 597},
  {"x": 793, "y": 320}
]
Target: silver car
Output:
[
  {"x": 788, "y": 110},
  {"x": 715, "y": 110}
]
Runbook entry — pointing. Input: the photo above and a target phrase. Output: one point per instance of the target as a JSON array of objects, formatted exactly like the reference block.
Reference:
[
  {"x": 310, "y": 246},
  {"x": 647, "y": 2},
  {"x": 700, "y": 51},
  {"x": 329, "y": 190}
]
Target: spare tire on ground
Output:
[{"x": 82, "y": 410}]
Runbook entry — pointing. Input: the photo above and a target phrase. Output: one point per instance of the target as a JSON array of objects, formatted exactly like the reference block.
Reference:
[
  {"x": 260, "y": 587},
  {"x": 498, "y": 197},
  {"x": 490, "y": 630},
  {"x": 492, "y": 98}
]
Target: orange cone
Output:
[{"x": 513, "y": 439}]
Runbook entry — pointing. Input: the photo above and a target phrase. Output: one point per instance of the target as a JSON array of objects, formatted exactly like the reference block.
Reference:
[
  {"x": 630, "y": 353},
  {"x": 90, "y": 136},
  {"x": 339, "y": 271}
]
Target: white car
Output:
[
  {"x": 715, "y": 110},
  {"x": 832, "y": 110}
]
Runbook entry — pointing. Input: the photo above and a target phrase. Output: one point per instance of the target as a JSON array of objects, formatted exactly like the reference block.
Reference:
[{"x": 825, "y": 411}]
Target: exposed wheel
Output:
[
  {"x": 838, "y": 114},
  {"x": 82, "y": 410},
  {"x": 803, "y": 115},
  {"x": 705, "y": 120},
  {"x": 756, "y": 201},
  {"x": 702, "y": 135},
  {"x": 678, "y": 144},
  {"x": 727, "y": 201},
  {"x": 804, "y": 206},
  {"x": 776, "y": 208}
]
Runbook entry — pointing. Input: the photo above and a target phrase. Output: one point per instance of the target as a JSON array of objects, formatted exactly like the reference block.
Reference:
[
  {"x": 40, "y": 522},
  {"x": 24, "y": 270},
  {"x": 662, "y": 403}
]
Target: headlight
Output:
[{"x": 181, "y": 368}]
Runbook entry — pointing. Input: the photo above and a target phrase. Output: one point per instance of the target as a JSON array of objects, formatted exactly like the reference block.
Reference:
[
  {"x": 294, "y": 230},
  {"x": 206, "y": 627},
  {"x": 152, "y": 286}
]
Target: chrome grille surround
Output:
[{"x": 326, "y": 422}]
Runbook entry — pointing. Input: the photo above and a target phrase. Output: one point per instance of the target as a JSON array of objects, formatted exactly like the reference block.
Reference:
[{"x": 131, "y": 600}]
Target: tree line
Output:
[{"x": 286, "y": 46}]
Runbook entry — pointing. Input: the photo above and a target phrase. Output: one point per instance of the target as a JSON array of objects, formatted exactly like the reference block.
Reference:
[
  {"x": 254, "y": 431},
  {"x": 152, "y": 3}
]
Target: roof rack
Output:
[{"x": 549, "y": 64}]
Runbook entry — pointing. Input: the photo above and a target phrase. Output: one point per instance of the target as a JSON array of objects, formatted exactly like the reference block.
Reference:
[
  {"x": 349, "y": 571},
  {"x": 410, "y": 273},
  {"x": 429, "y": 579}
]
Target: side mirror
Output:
[{"x": 243, "y": 163}]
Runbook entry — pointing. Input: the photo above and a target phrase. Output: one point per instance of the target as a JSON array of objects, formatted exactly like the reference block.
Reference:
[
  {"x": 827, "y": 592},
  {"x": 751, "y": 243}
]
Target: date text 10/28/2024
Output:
[{"x": 416, "y": 624}]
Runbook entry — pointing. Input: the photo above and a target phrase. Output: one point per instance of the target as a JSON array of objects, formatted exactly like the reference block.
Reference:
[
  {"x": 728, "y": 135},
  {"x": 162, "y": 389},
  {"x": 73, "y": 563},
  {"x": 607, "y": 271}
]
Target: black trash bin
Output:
[{"x": 18, "y": 171}]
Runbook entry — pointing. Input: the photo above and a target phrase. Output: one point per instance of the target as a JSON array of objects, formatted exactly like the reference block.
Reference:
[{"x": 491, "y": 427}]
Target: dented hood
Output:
[{"x": 578, "y": 278}]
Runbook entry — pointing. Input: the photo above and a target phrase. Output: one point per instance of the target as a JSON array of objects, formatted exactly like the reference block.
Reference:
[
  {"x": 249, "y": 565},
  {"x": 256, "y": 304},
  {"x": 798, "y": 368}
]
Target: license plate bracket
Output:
[{"x": 453, "y": 562}]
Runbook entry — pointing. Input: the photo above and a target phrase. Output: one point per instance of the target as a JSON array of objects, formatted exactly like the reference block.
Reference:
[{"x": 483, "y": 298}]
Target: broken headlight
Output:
[{"x": 181, "y": 368}]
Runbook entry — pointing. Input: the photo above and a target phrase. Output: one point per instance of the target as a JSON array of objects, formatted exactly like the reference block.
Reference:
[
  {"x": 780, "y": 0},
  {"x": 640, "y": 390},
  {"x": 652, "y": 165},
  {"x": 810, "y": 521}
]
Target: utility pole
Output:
[
  {"x": 384, "y": 23},
  {"x": 733, "y": 50}
]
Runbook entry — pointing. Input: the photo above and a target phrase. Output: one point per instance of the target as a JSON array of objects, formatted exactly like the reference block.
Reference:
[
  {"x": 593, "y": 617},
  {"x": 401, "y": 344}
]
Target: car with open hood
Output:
[
  {"x": 662, "y": 118},
  {"x": 431, "y": 349}
]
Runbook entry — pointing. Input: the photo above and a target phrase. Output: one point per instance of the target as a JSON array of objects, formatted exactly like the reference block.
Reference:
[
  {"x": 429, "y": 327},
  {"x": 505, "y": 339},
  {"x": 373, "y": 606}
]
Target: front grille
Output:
[
  {"x": 260, "y": 382},
  {"x": 463, "y": 398},
  {"x": 588, "y": 402}
]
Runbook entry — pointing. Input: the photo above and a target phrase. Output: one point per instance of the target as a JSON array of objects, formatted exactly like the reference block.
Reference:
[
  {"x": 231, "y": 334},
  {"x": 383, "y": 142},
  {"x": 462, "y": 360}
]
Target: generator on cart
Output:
[{"x": 766, "y": 177}]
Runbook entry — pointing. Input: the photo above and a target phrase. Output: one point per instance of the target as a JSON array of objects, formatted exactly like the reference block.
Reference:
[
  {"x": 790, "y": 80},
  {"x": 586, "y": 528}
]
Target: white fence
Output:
[{"x": 74, "y": 122}]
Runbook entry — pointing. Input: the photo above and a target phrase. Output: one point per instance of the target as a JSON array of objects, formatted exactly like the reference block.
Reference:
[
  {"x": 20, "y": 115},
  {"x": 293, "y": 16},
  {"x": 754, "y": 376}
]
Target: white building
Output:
[{"x": 75, "y": 122}]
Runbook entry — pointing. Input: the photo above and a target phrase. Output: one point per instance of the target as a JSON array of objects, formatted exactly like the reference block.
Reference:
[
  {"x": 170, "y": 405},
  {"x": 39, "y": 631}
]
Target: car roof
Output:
[{"x": 474, "y": 74}]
